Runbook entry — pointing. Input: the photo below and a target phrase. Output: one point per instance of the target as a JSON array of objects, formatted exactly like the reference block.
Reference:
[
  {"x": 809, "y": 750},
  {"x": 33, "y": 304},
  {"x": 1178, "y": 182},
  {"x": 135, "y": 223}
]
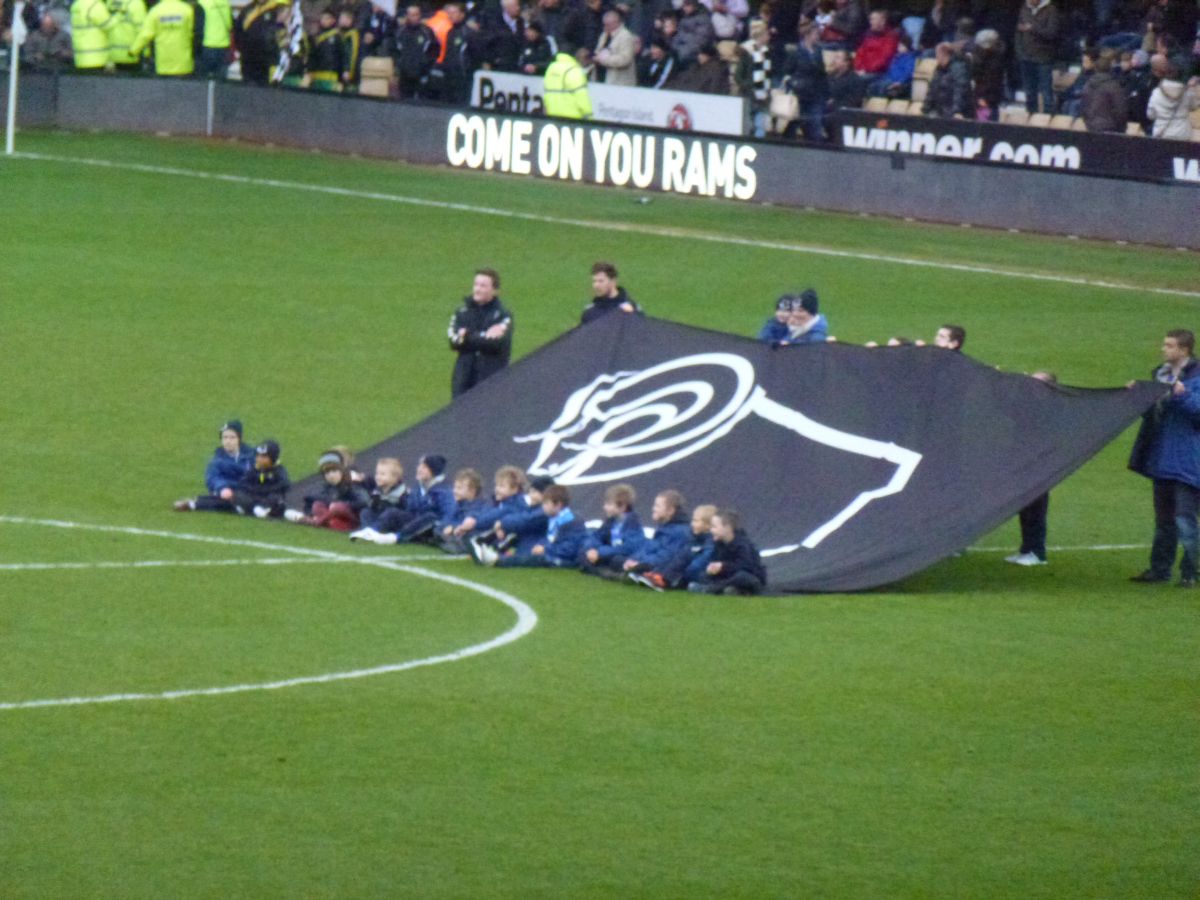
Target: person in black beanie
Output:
[{"x": 806, "y": 325}]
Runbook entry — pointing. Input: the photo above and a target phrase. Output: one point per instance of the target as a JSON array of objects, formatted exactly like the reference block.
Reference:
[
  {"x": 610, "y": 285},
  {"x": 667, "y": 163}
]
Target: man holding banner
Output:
[{"x": 1167, "y": 450}]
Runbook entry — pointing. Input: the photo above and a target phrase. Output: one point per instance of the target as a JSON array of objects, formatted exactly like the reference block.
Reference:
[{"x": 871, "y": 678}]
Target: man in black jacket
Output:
[
  {"x": 480, "y": 333},
  {"x": 608, "y": 295},
  {"x": 415, "y": 50}
]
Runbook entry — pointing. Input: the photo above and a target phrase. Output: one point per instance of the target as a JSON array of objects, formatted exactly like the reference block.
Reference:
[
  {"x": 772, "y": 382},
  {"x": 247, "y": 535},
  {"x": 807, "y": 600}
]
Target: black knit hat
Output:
[
  {"x": 808, "y": 301},
  {"x": 540, "y": 483},
  {"x": 434, "y": 463},
  {"x": 233, "y": 425},
  {"x": 268, "y": 448}
]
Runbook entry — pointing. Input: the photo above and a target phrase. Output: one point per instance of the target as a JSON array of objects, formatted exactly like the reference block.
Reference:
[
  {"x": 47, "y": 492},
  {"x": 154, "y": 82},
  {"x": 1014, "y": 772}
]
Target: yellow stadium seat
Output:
[
  {"x": 900, "y": 107},
  {"x": 919, "y": 89},
  {"x": 1134, "y": 129},
  {"x": 1060, "y": 121},
  {"x": 925, "y": 69},
  {"x": 876, "y": 104},
  {"x": 1039, "y": 120},
  {"x": 1014, "y": 115},
  {"x": 378, "y": 67}
]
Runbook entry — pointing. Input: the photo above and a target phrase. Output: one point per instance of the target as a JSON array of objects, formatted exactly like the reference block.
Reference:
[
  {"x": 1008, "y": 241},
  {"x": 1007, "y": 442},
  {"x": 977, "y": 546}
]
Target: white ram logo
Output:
[{"x": 629, "y": 423}]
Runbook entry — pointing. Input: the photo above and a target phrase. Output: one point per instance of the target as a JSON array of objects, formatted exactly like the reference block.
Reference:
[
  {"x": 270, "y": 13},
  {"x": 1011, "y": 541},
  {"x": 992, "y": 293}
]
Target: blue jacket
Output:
[
  {"x": 437, "y": 499},
  {"x": 564, "y": 539},
  {"x": 773, "y": 331},
  {"x": 528, "y": 524},
  {"x": 617, "y": 536},
  {"x": 225, "y": 471},
  {"x": 1168, "y": 444},
  {"x": 701, "y": 555},
  {"x": 670, "y": 539},
  {"x": 460, "y": 510},
  {"x": 815, "y": 335},
  {"x": 493, "y": 512},
  {"x": 901, "y": 69}
]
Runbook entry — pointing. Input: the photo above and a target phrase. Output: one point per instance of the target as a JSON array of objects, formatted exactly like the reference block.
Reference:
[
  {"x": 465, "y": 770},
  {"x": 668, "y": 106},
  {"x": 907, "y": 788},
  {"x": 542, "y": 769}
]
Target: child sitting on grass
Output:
[
  {"x": 619, "y": 536},
  {"x": 688, "y": 565},
  {"x": 336, "y": 505},
  {"x": 518, "y": 531},
  {"x": 736, "y": 567},
  {"x": 428, "y": 502},
  {"x": 559, "y": 549},
  {"x": 261, "y": 492},
  {"x": 672, "y": 535},
  {"x": 467, "y": 504},
  {"x": 507, "y": 485},
  {"x": 229, "y": 463},
  {"x": 387, "y": 498}
]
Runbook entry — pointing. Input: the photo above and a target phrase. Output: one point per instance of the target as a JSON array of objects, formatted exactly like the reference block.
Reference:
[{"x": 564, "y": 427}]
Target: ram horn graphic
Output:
[{"x": 628, "y": 423}]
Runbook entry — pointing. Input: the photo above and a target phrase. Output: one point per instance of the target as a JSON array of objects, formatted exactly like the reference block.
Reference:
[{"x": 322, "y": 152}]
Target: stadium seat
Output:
[
  {"x": 924, "y": 69},
  {"x": 1039, "y": 120},
  {"x": 1061, "y": 121},
  {"x": 919, "y": 89},
  {"x": 876, "y": 104},
  {"x": 378, "y": 67},
  {"x": 914, "y": 108},
  {"x": 900, "y": 107},
  {"x": 1078, "y": 124},
  {"x": 374, "y": 87},
  {"x": 1014, "y": 115},
  {"x": 1134, "y": 129}
]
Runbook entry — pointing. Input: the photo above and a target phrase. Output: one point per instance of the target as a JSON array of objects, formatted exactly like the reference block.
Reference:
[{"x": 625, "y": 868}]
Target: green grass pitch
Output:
[{"x": 976, "y": 731}]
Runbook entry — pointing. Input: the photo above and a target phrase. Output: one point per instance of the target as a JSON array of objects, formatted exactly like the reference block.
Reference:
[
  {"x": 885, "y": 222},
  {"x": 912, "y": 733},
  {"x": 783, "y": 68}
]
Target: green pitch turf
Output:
[{"x": 978, "y": 730}]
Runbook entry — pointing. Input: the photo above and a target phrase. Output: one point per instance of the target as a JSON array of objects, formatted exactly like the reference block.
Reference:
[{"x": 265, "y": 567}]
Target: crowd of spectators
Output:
[{"x": 1106, "y": 62}]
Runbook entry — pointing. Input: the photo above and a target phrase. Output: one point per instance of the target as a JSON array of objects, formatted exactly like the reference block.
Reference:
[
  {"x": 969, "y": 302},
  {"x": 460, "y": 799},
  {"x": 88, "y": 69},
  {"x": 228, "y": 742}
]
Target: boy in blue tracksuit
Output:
[
  {"x": 672, "y": 534},
  {"x": 468, "y": 484},
  {"x": 561, "y": 546},
  {"x": 688, "y": 565},
  {"x": 619, "y": 537},
  {"x": 429, "y": 502},
  {"x": 520, "y": 530},
  {"x": 507, "y": 498},
  {"x": 229, "y": 463}
]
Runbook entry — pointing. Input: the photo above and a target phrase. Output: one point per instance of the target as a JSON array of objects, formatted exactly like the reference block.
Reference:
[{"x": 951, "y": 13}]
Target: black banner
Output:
[
  {"x": 1112, "y": 155},
  {"x": 852, "y": 467}
]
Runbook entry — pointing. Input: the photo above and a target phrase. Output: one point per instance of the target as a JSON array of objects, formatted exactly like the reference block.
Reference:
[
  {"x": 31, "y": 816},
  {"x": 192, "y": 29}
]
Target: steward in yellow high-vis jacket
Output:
[
  {"x": 171, "y": 25},
  {"x": 123, "y": 28},
  {"x": 218, "y": 30},
  {"x": 565, "y": 89},
  {"x": 89, "y": 34}
]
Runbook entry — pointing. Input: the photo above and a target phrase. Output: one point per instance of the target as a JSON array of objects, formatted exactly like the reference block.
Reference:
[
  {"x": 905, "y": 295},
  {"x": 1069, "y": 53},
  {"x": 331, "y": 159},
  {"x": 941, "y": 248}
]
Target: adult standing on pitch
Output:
[
  {"x": 607, "y": 295},
  {"x": 480, "y": 333},
  {"x": 1167, "y": 450}
]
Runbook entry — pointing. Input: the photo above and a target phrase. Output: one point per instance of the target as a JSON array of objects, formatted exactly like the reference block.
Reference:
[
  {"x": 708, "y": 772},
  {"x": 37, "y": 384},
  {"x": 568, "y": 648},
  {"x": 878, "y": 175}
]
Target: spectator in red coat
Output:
[{"x": 878, "y": 46}]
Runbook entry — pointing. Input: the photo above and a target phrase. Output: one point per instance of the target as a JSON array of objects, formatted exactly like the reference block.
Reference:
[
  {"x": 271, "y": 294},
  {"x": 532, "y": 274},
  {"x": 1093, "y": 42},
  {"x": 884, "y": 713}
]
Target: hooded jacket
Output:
[{"x": 1169, "y": 107}]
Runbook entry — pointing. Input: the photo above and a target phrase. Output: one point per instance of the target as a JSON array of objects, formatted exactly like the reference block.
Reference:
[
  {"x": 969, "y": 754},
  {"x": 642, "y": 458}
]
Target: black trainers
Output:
[{"x": 1148, "y": 577}]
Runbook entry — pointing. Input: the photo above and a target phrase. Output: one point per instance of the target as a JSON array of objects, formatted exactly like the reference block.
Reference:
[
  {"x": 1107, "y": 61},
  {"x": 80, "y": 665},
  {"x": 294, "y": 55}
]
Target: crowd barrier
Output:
[{"x": 928, "y": 188}]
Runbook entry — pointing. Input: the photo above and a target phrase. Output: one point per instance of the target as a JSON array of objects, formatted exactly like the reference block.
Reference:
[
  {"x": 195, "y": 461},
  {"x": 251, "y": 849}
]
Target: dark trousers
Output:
[
  {"x": 1037, "y": 79},
  {"x": 1033, "y": 527},
  {"x": 1175, "y": 507},
  {"x": 213, "y": 63},
  {"x": 742, "y": 582}
]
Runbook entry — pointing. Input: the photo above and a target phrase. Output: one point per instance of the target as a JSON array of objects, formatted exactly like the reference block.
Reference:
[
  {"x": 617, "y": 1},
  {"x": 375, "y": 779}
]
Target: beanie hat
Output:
[
  {"x": 268, "y": 448},
  {"x": 330, "y": 460},
  {"x": 784, "y": 303},
  {"x": 434, "y": 463},
  {"x": 1140, "y": 58},
  {"x": 808, "y": 301},
  {"x": 540, "y": 483},
  {"x": 233, "y": 425}
]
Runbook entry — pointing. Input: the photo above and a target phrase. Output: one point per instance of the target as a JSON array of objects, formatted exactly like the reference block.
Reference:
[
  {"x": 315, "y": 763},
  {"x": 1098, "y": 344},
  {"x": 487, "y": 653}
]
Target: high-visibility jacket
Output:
[
  {"x": 565, "y": 89},
  {"x": 123, "y": 28},
  {"x": 218, "y": 23},
  {"x": 89, "y": 37},
  {"x": 441, "y": 25},
  {"x": 171, "y": 26}
]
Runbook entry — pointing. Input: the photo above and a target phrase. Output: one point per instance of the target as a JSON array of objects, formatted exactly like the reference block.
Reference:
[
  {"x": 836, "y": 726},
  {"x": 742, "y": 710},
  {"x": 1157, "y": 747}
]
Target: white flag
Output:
[{"x": 18, "y": 25}]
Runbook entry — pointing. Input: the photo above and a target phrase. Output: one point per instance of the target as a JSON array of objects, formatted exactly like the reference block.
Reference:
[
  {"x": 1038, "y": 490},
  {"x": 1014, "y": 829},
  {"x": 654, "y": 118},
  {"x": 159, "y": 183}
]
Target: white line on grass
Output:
[
  {"x": 200, "y": 563},
  {"x": 526, "y": 619},
  {"x": 1083, "y": 549},
  {"x": 606, "y": 225}
]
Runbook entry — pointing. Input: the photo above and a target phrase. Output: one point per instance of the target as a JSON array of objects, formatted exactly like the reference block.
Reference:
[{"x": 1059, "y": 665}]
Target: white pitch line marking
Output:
[
  {"x": 201, "y": 563},
  {"x": 526, "y": 620},
  {"x": 626, "y": 227},
  {"x": 1084, "y": 549}
]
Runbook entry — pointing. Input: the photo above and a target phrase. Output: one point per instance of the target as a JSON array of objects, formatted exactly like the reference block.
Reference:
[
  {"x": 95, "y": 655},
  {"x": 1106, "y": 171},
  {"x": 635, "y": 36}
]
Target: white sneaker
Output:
[
  {"x": 293, "y": 515},
  {"x": 261, "y": 512},
  {"x": 364, "y": 534},
  {"x": 385, "y": 538},
  {"x": 1025, "y": 559},
  {"x": 483, "y": 554}
]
